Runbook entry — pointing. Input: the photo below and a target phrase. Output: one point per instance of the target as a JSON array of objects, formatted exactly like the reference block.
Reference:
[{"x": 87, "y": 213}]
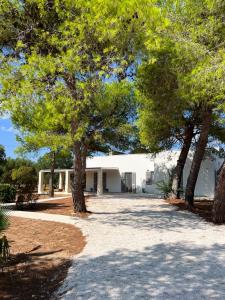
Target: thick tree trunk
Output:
[
  {"x": 198, "y": 157},
  {"x": 52, "y": 173},
  {"x": 77, "y": 185},
  {"x": 219, "y": 199},
  {"x": 176, "y": 185}
]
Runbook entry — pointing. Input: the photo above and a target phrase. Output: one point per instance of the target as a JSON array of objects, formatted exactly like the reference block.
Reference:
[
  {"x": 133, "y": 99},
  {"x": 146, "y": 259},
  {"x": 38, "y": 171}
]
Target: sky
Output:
[
  {"x": 8, "y": 139},
  {"x": 8, "y": 136}
]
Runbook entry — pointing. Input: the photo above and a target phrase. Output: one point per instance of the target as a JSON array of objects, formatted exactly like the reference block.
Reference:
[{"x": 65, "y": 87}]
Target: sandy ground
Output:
[
  {"x": 41, "y": 254},
  {"x": 141, "y": 248}
]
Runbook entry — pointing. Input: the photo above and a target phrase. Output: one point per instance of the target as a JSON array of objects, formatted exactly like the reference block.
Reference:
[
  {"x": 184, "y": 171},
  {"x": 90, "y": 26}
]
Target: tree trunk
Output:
[
  {"x": 84, "y": 157},
  {"x": 176, "y": 185},
  {"x": 51, "y": 178},
  {"x": 77, "y": 185},
  {"x": 198, "y": 157},
  {"x": 218, "y": 211}
]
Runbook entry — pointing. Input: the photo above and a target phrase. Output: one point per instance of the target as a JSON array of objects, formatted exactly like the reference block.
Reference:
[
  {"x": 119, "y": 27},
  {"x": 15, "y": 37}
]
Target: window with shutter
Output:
[{"x": 149, "y": 177}]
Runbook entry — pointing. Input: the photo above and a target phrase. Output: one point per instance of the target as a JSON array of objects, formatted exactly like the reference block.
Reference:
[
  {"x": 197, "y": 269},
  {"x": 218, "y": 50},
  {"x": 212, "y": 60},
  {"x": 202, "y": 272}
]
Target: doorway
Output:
[
  {"x": 104, "y": 182},
  {"x": 95, "y": 181},
  {"x": 127, "y": 183}
]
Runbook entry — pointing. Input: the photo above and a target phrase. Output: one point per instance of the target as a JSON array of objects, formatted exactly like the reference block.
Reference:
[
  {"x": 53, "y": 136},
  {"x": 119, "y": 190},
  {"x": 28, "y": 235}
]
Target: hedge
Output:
[{"x": 7, "y": 193}]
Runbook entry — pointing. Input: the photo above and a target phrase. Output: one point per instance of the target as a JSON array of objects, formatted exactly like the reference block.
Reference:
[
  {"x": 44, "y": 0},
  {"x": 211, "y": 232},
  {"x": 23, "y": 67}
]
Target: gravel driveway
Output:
[{"x": 140, "y": 248}]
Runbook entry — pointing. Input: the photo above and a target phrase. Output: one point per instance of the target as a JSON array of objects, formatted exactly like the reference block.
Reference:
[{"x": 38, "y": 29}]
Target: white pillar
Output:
[
  {"x": 40, "y": 182},
  {"x": 67, "y": 182},
  {"x": 60, "y": 181},
  {"x": 100, "y": 186}
]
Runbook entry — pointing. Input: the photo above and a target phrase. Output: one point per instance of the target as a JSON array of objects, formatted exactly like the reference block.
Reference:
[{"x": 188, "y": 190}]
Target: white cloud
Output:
[
  {"x": 8, "y": 129},
  {"x": 5, "y": 116}
]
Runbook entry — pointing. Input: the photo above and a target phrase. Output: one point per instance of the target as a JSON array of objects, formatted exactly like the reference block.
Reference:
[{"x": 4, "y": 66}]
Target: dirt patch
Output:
[
  {"x": 46, "y": 196},
  {"x": 59, "y": 206},
  {"x": 203, "y": 207},
  {"x": 41, "y": 253}
]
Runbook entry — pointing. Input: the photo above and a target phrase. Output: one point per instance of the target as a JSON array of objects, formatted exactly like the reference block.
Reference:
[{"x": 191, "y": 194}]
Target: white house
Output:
[{"x": 137, "y": 173}]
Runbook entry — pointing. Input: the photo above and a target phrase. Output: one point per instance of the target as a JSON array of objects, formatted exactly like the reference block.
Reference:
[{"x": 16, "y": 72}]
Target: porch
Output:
[{"x": 98, "y": 180}]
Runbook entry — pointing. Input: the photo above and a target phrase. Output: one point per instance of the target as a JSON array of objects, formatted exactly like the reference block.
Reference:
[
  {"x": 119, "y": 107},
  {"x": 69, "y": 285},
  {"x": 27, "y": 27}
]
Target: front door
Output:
[
  {"x": 128, "y": 182},
  {"x": 95, "y": 181}
]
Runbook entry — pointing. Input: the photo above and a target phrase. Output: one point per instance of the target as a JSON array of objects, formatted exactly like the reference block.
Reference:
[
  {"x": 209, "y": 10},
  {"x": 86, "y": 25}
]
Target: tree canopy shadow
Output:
[
  {"x": 147, "y": 218},
  {"x": 32, "y": 276},
  {"x": 163, "y": 271}
]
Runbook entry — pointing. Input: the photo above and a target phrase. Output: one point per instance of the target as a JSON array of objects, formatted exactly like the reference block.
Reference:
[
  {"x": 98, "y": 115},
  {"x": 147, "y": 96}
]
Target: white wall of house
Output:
[
  {"x": 159, "y": 164},
  {"x": 205, "y": 185},
  {"x": 138, "y": 165},
  {"x": 135, "y": 163},
  {"x": 113, "y": 181}
]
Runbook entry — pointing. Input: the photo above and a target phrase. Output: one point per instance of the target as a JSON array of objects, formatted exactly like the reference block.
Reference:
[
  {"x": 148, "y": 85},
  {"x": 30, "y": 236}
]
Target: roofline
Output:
[{"x": 87, "y": 169}]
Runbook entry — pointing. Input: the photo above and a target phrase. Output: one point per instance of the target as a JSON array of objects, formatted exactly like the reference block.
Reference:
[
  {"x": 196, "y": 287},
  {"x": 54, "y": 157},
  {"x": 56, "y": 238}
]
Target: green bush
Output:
[
  {"x": 7, "y": 193},
  {"x": 3, "y": 220},
  {"x": 4, "y": 244},
  {"x": 165, "y": 187},
  {"x": 4, "y": 250},
  {"x": 24, "y": 177}
]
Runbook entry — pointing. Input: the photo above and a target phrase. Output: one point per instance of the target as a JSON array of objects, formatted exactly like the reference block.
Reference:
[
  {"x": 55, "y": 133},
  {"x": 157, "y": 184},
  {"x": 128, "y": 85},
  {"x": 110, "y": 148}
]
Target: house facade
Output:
[{"x": 137, "y": 173}]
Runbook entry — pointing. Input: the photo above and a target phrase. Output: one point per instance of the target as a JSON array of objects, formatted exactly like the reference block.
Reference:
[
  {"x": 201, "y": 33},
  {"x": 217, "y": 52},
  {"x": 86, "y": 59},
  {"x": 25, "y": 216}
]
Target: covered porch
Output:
[{"x": 98, "y": 180}]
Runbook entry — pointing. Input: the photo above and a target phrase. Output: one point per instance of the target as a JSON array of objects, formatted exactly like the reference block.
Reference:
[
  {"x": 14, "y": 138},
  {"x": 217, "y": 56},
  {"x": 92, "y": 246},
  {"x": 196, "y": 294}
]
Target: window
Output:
[{"x": 149, "y": 177}]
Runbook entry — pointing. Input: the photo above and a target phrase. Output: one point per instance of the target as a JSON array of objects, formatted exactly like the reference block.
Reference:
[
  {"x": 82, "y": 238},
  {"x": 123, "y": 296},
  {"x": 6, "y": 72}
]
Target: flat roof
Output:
[{"x": 87, "y": 169}]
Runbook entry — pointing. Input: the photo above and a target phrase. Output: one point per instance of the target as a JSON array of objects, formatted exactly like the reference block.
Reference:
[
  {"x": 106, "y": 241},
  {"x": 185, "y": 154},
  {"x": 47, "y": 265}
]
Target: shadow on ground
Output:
[
  {"x": 146, "y": 218},
  {"x": 32, "y": 276},
  {"x": 173, "y": 271}
]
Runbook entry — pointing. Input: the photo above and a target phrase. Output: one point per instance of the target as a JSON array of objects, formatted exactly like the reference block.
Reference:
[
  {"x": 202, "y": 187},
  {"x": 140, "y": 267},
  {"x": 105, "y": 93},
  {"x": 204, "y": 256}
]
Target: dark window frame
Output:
[{"x": 149, "y": 178}]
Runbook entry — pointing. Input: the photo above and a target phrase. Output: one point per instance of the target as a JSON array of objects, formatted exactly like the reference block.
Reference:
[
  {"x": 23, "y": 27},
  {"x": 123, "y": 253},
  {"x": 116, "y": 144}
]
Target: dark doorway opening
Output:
[
  {"x": 104, "y": 182},
  {"x": 95, "y": 181}
]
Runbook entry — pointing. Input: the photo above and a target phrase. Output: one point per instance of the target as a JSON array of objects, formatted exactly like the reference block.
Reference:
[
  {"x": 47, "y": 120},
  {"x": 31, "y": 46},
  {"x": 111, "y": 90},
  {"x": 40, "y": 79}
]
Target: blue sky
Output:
[
  {"x": 8, "y": 139},
  {"x": 8, "y": 136}
]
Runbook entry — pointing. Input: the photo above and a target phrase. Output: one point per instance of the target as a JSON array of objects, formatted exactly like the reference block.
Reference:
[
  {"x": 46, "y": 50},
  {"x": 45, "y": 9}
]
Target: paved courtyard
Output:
[{"x": 139, "y": 248}]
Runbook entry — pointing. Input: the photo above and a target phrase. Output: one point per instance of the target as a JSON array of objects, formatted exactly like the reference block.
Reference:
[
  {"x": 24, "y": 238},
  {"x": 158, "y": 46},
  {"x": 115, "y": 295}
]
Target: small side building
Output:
[{"x": 137, "y": 173}]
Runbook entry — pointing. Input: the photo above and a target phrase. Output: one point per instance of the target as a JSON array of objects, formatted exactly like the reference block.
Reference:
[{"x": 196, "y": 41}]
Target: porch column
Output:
[
  {"x": 67, "y": 182},
  {"x": 60, "y": 181},
  {"x": 40, "y": 182},
  {"x": 99, "y": 186}
]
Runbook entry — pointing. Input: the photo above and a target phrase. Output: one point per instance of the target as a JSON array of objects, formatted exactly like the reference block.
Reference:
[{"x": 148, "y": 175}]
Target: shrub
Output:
[
  {"x": 7, "y": 193},
  {"x": 165, "y": 187},
  {"x": 4, "y": 249},
  {"x": 24, "y": 177},
  {"x": 4, "y": 245},
  {"x": 3, "y": 219}
]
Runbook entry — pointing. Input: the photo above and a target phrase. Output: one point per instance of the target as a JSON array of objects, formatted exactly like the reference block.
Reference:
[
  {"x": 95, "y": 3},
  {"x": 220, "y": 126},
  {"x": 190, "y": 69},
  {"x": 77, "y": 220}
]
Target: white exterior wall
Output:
[
  {"x": 163, "y": 162},
  {"x": 141, "y": 163},
  {"x": 135, "y": 163},
  {"x": 116, "y": 165},
  {"x": 89, "y": 181},
  {"x": 205, "y": 185},
  {"x": 113, "y": 181}
]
